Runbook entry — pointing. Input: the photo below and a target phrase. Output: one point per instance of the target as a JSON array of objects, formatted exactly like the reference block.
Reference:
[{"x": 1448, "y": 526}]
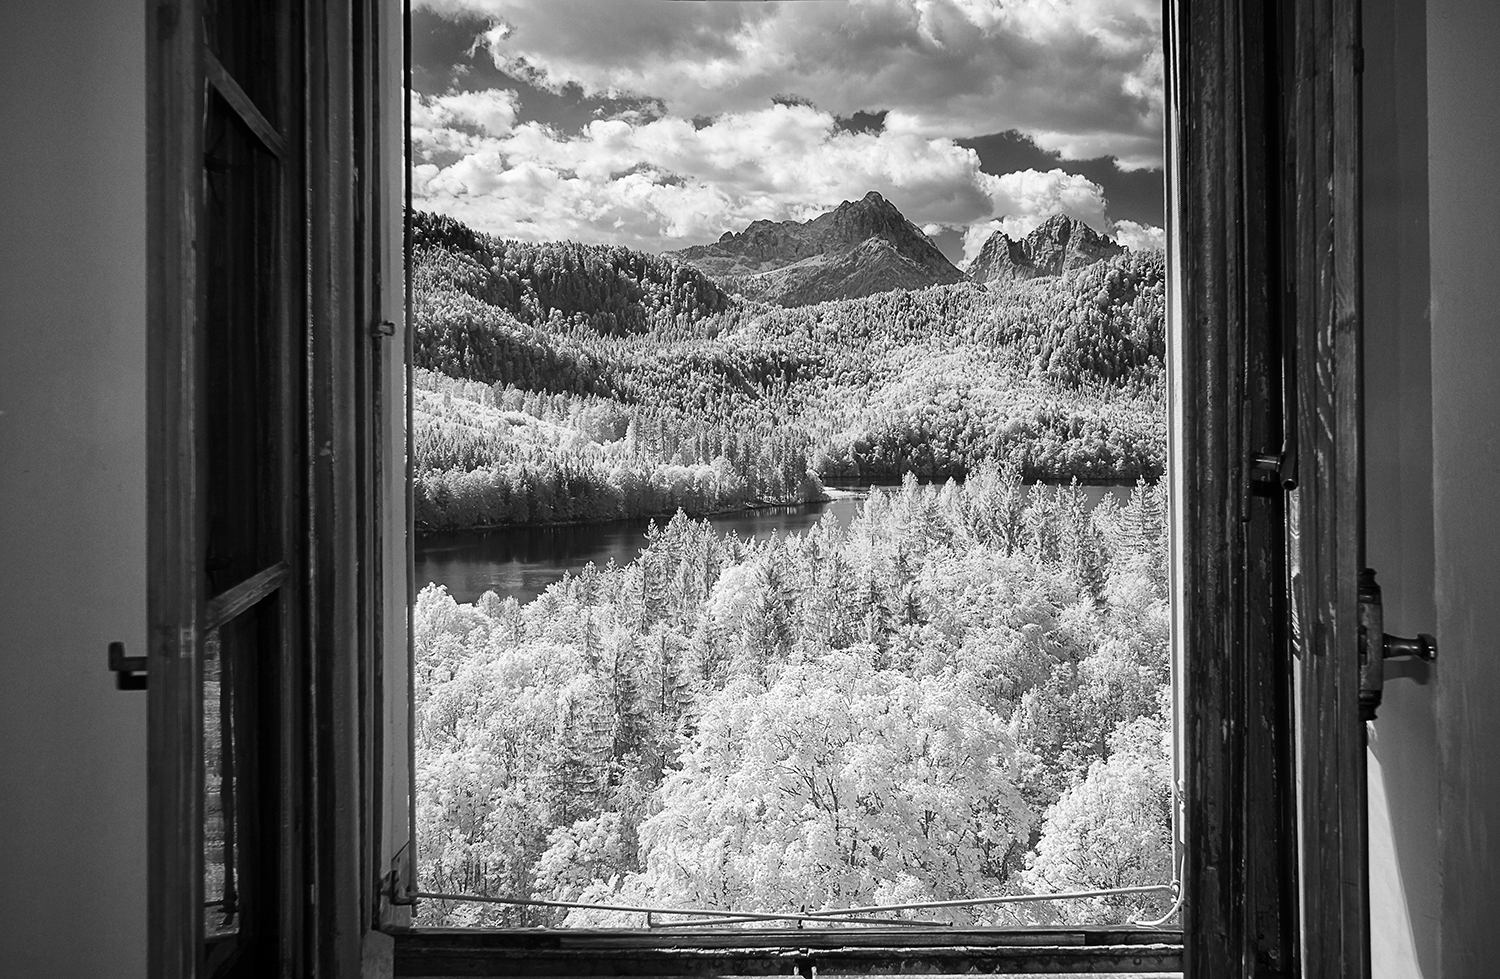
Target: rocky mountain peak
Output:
[
  {"x": 1057, "y": 245},
  {"x": 833, "y": 256}
]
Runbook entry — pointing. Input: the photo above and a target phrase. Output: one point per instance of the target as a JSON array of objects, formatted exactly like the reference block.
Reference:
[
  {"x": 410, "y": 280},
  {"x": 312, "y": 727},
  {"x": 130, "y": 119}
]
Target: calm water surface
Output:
[{"x": 523, "y": 561}]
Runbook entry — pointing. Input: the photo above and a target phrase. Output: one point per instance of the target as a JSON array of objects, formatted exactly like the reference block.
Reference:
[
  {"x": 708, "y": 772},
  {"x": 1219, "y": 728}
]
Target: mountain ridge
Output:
[
  {"x": 859, "y": 248},
  {"x": 1059, "y": 244}
]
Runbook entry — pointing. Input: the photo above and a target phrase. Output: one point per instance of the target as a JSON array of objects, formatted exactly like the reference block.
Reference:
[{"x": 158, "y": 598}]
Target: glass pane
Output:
[
  {"x": 240, "y": 798},
  {"x": 245, "y": 352},
  {"x": 244, "y": 37},
  {"x": 221, "y": 870}
]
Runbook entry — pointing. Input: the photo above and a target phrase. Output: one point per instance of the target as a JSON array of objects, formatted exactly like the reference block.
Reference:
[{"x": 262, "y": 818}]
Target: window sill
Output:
[{"x": 433, "y": 953}]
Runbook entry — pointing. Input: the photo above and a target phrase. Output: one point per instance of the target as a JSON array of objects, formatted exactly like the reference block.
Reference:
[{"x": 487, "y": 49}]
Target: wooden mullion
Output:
[
  {"x": 360, "y": 383},
  {"x": 1327, "y": 553},
  {"x": 334, "y": 545},
  {"x": 233, "y": 602},
  {"x": 1224, "y": 295},
  {"x": 243, "y": 105},
  {"x": 174, "y": 148},
  {"x": 1348, "y": 298},
  {"x": 370, "y": 348},
  {"x": 293, "y": 793},
  {"x": 1205, "y": 467},
  {"x": 1270, "y": 823}
]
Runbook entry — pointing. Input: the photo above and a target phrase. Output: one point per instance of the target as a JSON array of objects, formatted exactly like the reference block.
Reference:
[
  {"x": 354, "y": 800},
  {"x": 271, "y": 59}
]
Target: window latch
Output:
[
  {"x": 1376, "y": 646},
  {"x": 129, "y": 671},
  {"x": 1280, "y": 467}
]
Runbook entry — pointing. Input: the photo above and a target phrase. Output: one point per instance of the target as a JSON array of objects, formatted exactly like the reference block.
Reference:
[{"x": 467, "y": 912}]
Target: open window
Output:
[
  {"x": 874, "y": 670},
  {"x": 277, "y": 671}
]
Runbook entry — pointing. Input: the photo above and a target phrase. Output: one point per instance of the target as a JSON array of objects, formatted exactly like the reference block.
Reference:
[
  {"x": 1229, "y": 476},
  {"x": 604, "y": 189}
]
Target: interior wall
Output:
[
  {"x": 1405, "y": 895},
  {"x": 1463, "y": 81},
  {"x": 72, "y": 488},
  {"x": 1432, "y": 312}
]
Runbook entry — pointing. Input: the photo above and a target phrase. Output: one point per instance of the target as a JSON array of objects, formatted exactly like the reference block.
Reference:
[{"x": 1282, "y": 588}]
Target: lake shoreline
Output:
[
  {"x": 523, "y": 560},
  {"x": 831, "y": 494}
]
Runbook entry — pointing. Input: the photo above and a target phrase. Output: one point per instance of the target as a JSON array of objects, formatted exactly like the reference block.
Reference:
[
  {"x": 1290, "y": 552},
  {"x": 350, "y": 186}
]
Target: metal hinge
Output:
[
  {"x": 399, "y": 892},
  {"x": 1375, "y": 646},
  {"x": 384, "y": 328},
  {"x": 129, "y": 671}
]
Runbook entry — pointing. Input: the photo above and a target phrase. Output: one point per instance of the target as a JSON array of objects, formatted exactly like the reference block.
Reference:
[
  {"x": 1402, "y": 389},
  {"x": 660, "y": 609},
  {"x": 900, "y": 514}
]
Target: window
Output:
[
  {"x": 299, "y": 428},
  {"x": 764, "y": 724}
]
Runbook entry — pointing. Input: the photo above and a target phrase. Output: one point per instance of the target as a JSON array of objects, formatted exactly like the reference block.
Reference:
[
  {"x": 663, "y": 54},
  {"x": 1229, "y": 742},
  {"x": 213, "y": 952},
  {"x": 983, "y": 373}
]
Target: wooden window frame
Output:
[
  {"x": 1274, "y": 885},
  {"x": 346, "y": 660}
]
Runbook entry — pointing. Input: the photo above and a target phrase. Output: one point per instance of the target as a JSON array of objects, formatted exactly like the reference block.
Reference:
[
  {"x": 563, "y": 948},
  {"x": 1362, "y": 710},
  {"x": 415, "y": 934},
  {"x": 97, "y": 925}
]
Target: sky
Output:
[{"x": 659, "y": 124}]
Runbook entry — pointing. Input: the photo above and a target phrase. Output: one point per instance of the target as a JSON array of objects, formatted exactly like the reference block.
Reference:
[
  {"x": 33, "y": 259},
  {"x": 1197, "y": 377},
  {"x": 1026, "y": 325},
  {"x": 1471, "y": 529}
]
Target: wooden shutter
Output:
[
  {"x": 1326, "y": 510},
  {"x": 275, "y": 482},
  {"x": 1263, "y": 244},
  {"x": 228, "y": 668}
]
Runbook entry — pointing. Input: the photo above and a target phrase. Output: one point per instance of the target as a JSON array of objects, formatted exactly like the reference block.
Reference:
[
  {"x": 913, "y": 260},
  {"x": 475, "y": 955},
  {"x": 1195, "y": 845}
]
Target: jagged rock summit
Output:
[
  {"x": 1058, "y": 245},
  {"x": 858, "y": 249}
]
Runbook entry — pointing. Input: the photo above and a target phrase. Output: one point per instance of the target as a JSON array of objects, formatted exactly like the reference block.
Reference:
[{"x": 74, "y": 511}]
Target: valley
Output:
[
  {"x": 571, "y": 383},
  {"x": 657, "y": 666}
]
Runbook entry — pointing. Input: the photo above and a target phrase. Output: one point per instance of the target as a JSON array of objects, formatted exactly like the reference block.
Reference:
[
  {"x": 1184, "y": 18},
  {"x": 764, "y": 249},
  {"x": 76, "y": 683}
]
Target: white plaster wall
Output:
[
  {"x": 1405, "y": 896},
  {"x": 1432, "y": 160},
  {"x": 1463, "y": 96},
  {"x": 72, "y": 488}
]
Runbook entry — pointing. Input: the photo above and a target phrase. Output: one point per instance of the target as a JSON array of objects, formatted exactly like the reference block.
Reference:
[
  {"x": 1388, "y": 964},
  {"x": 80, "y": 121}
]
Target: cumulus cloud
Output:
[
  {"x": 665, "y": 183},
  {"x": 454, "y": 125},
  {"x": 1140, "y": 237},
  {"x": 1081, "y": 77}
]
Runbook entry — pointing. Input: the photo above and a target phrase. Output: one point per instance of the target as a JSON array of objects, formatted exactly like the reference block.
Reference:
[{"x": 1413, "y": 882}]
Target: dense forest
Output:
[
  {"x": 487, "y": 457},
  {"x": 573, "y": 382},
  {"x": 963, "y": 694}
]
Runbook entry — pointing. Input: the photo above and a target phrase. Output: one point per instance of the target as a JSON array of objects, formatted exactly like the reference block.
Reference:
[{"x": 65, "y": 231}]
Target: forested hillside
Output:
[
  {"x": 651, "y": 388},
  {"x": 609, "y": 289},
  {"x": 962, "y": 695}
]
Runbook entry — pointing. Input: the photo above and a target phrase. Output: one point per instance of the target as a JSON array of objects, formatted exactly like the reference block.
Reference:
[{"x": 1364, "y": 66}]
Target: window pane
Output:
[
  {"x": 221, "y": 867},
  {"x": 240, "y": 796},
  {"x": 247, "y": 38},
  {"x": 245, "y": 355}
]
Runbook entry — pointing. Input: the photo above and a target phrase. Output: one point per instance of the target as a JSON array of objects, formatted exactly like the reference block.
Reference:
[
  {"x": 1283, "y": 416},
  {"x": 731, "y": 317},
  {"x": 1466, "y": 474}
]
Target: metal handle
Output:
[
  {"x": 1376, "y": 646},
  {"x": 1423, "y": 647},
  {"x": 129, "y": 671}
]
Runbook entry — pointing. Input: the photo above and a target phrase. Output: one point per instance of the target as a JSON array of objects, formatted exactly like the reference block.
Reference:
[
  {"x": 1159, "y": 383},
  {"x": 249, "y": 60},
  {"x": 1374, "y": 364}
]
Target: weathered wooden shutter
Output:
[
  {"x": 275, "y": 537},
  {"x": 1325, "y": 525},
  {"x": 1264, "y": 248}
]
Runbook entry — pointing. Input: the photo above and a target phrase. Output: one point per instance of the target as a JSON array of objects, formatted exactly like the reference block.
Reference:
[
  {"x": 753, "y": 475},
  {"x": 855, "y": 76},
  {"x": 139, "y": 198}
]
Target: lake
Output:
[{"x": 523, "y": 561}]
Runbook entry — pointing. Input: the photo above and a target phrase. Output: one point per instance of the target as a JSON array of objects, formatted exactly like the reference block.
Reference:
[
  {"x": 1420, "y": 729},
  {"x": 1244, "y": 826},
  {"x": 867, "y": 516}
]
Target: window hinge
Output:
[
  {"x": 383, "y": 328},
  {"x": 1375, "y": 646},
  {"x": 399, "y": 894},
  {"x": 129, "y": 671}
]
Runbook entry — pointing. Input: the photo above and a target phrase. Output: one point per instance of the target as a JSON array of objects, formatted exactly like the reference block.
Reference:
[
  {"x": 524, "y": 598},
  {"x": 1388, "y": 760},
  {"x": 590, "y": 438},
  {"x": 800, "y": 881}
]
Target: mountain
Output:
[
  {"x": 1058, "y": 245},
  {"x": 858, "y": 249},
  {"x": 610, "y": 288}
]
